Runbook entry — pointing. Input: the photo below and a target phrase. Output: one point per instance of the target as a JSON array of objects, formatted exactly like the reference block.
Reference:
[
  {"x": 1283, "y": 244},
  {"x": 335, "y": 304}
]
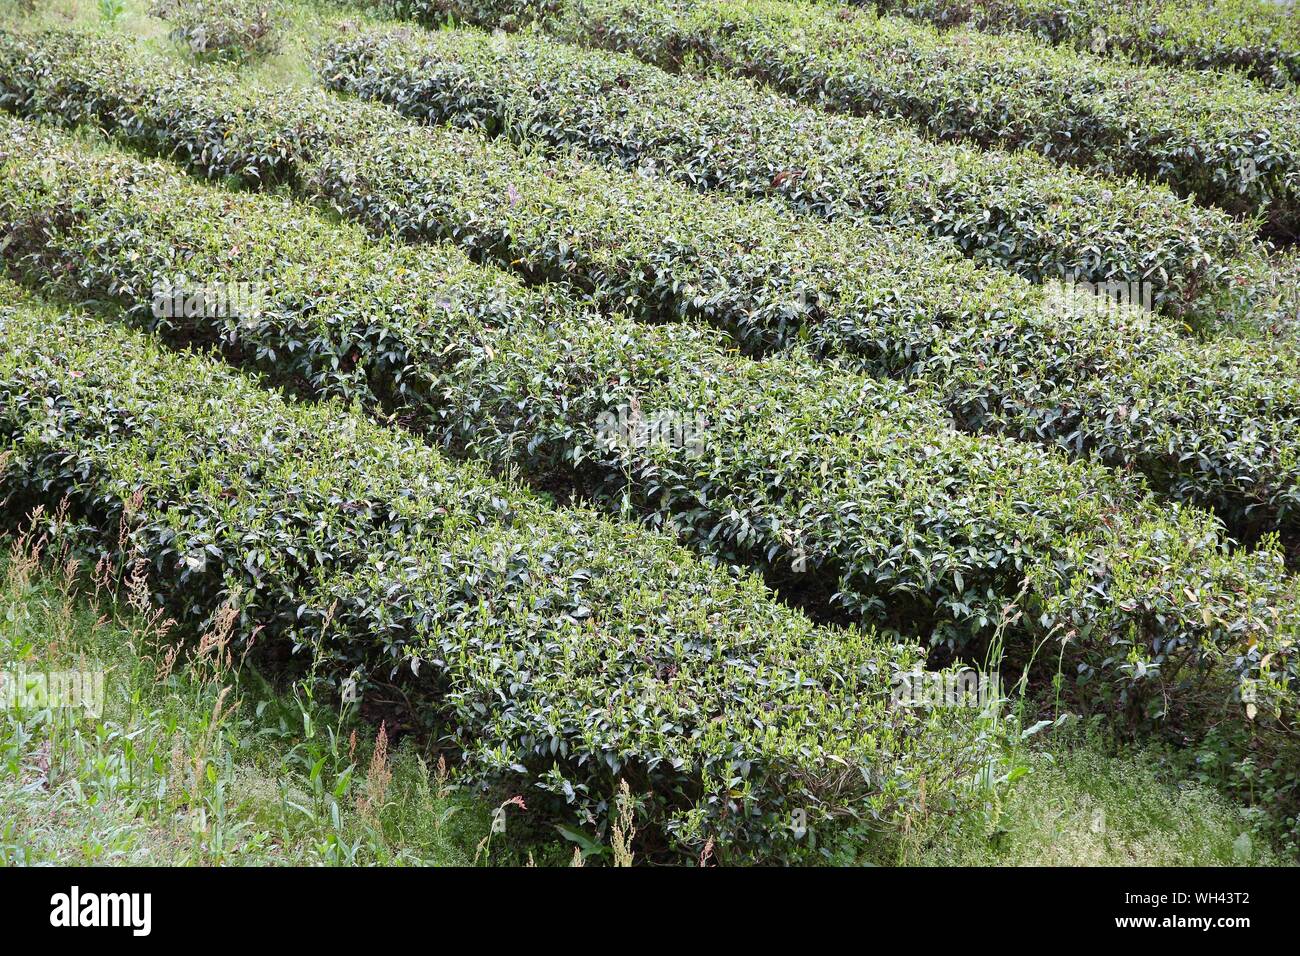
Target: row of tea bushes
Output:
[
  {"x": 1017, "y": 211},
  {"x": 1227, "y": 142},
  {"x": 1260, "y": 38},
  {"x": 847, "y": 492},
  {"x": 1213, "y": 423},
  {"x": 556, "y": 651}
]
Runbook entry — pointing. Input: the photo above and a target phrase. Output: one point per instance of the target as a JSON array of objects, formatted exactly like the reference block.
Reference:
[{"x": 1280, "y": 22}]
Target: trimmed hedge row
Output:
[
  {"x": 518, "y": 628},
  {"x": 1018, "y": 211},
  {"x": 1226, "y": 142},
  {"x": 1213, "y": 423},
  {"x": 847, "y": 492},
  {"x": 1262, "y": 39}
]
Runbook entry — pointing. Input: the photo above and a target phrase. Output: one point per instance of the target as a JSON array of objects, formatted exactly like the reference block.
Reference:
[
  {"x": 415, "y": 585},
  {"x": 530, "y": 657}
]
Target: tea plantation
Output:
[{"x": 709, "y": 432}]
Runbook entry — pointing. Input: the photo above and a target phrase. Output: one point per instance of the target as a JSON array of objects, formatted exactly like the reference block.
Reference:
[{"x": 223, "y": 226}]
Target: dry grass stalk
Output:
[{"x": 624, "y": 825}]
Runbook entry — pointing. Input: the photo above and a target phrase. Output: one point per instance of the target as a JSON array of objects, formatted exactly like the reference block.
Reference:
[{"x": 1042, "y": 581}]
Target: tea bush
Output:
[
  {"x": 1013, "y": 210},
  {"x": 1225, "y": 142},
  {"x": 1210, "y": 422},
  {"x": 524, "y": 637},
  {"x": 232, "y": 30},
  {"x": 1261, "y": 39},
  {"x": 849, "y": 493}
]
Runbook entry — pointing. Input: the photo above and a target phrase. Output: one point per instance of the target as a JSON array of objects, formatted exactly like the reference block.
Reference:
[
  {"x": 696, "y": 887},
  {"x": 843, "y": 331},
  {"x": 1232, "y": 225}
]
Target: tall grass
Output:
[
  {"x": 1085, "y": 803},
  {"x": 197, "y": 757}
]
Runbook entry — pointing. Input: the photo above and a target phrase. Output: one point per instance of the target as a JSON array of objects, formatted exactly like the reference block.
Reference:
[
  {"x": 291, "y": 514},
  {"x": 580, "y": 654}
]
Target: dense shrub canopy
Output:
[
  {"x": 544, "y": 661},
  {"x": 1207, "y": 422},
  {"x": 1206, "y": 135},
  {"x": 1262, "y": 39},
  {"x": 841, "y": 488},
  {"x": 232, "y": 30},
  {"x": 1014, "y": 210}
]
